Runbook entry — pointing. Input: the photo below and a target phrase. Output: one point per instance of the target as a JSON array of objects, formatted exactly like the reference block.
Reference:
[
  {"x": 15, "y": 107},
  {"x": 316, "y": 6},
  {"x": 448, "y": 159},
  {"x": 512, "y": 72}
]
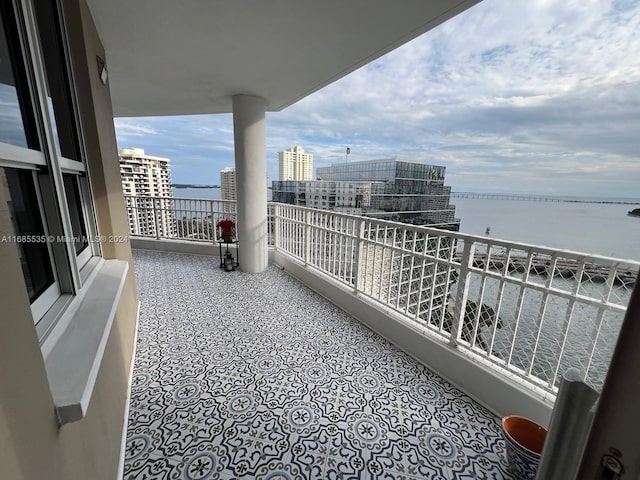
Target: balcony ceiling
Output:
[{"x": 168, "y": 57}]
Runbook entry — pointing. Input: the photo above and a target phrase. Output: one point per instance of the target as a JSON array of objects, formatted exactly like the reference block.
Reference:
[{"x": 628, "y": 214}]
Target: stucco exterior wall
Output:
[{"x": 32, "y": 445}]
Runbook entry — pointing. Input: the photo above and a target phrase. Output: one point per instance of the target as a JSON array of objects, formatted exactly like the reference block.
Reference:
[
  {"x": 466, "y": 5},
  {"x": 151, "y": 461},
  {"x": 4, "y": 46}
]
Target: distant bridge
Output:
[{"x": 534, "y": 198}]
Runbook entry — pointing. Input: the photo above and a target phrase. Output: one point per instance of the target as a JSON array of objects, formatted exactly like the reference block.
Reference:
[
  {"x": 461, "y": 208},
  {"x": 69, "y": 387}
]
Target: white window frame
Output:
[
  {"x": 47, "y": 298},
  {"x": 58, "y": 163},
  {"x": 70, "y": 270}
]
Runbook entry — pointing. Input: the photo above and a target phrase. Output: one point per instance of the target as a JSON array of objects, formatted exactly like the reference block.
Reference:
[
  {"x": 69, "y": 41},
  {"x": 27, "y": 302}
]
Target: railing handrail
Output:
[
  {"x": 589, "y": 257},
  {"x": 495, "y": 242},
  {"x": 148, "y": 197}
]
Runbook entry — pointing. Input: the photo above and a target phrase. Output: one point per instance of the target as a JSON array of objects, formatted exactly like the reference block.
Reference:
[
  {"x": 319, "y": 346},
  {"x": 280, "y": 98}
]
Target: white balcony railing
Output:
[
  {"x": 177, "y": 218},
  {"x": 529, "y": 312}
]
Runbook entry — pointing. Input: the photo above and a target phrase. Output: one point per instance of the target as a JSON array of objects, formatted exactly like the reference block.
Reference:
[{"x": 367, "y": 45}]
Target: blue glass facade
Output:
[{"x": 400, "y": 190}]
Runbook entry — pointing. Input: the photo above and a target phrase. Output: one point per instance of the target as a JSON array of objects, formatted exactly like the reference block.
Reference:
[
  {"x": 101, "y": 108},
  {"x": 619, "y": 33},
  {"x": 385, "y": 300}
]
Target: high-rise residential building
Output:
[
  {"x": 228, "y": 183},
  {"x": 146, "y": 184},
  {"x": 228, "y": 187},
  {"x": 388, "y": 189},
  {"x": 294, "y": 164}
]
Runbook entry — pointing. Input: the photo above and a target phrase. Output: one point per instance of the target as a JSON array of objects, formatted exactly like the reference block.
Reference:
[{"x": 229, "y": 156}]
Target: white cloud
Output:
[
  {"x": 125, "y": 128},
  {"x": 508, "y": 95}
]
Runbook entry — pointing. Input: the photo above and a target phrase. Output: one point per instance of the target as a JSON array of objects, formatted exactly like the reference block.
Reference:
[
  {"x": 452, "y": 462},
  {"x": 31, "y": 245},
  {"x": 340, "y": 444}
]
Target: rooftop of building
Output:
[
  {"x": 138, "y": 153},
  {"x": 383, "y": 160},
  {"x": 295, "y": 149}
]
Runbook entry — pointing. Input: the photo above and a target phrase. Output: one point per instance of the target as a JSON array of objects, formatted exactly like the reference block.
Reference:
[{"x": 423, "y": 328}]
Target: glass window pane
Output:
[
  {"x": 17, "y": 125},
  {"x": 59, "y": 94},
  {"x": 27, "y": 224},
  {"x": 72, "y": 192}
]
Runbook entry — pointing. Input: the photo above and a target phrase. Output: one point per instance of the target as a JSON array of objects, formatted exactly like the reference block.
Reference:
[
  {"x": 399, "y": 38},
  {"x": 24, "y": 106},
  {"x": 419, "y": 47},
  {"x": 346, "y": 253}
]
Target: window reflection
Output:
[
  {"x": 30, "y": 234},
  {"x": 72, "y": 192},
  {"x": 16, "y": 119},
  {"x": 59, "y": 94}
]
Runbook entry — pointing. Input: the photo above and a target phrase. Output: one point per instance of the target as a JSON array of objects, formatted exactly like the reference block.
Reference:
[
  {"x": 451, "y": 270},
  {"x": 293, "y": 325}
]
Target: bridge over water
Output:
[{"x": 537, "y": 198}]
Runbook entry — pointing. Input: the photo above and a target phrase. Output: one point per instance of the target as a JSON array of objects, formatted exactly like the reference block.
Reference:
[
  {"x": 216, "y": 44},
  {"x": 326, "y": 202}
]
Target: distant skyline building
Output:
[
  {"x": 144, "y": 176},
  {"x": 294, "y": 164},
  {"x": 228, "y": 183},
  {"x": 228, "y": 187},
  {"x": 388, "y": 189}
]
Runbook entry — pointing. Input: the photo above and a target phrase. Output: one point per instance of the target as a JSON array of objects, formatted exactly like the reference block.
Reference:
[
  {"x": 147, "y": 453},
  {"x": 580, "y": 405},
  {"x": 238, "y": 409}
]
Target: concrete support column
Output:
[{"x": 249, "y": 133}]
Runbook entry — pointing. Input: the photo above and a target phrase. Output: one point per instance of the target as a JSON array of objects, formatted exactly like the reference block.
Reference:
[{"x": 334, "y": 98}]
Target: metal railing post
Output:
[
  {"x": 463, "y": 292},
  {"x": 307, "y": 237},
  {"x": 276, "y": 226},
  {"x": 155, "y": 218},
  {"x": 212, "y": 227},
  {"x": 358, "y": 257}
]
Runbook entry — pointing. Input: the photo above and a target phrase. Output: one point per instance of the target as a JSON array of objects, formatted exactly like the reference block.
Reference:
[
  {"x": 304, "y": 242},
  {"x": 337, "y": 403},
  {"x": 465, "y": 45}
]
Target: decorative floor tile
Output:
[{"x": 255, "y": 376}]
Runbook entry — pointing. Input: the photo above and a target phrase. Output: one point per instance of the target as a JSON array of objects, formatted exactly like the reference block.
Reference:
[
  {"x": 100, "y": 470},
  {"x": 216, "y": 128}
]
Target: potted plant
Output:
[{"x": 226, "y": 230}]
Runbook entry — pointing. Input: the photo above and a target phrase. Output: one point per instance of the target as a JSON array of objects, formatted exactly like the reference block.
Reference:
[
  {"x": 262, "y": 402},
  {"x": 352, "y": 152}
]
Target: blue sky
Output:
[{"x": 538, "y": 96}]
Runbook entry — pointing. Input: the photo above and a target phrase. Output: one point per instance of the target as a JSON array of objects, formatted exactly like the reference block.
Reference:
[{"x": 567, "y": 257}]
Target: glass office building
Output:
[{"x": 400, "y": 190}]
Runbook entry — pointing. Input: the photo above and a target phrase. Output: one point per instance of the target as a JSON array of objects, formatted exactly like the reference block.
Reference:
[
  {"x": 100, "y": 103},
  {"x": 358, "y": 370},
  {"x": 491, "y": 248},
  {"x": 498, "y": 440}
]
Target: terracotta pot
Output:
[{"x": 524, "y": 439}]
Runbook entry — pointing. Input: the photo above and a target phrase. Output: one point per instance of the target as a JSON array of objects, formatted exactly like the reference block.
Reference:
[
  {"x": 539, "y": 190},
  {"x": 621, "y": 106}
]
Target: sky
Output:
[{"x": 512, "y": 96}]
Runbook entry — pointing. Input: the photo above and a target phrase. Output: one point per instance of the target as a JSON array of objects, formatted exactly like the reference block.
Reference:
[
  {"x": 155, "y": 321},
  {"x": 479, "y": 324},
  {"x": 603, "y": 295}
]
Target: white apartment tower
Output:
[
  {"x": 228, "y": 183},
  {"x": 228, "y": 186},
  {"x": 294, "y": 164},
  {"x": 146, "y": 184}
]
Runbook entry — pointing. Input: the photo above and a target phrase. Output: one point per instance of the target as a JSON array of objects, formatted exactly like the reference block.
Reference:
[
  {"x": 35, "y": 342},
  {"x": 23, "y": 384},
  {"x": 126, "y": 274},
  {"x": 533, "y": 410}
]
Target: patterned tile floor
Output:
[{"x": 256, "y": 376}]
